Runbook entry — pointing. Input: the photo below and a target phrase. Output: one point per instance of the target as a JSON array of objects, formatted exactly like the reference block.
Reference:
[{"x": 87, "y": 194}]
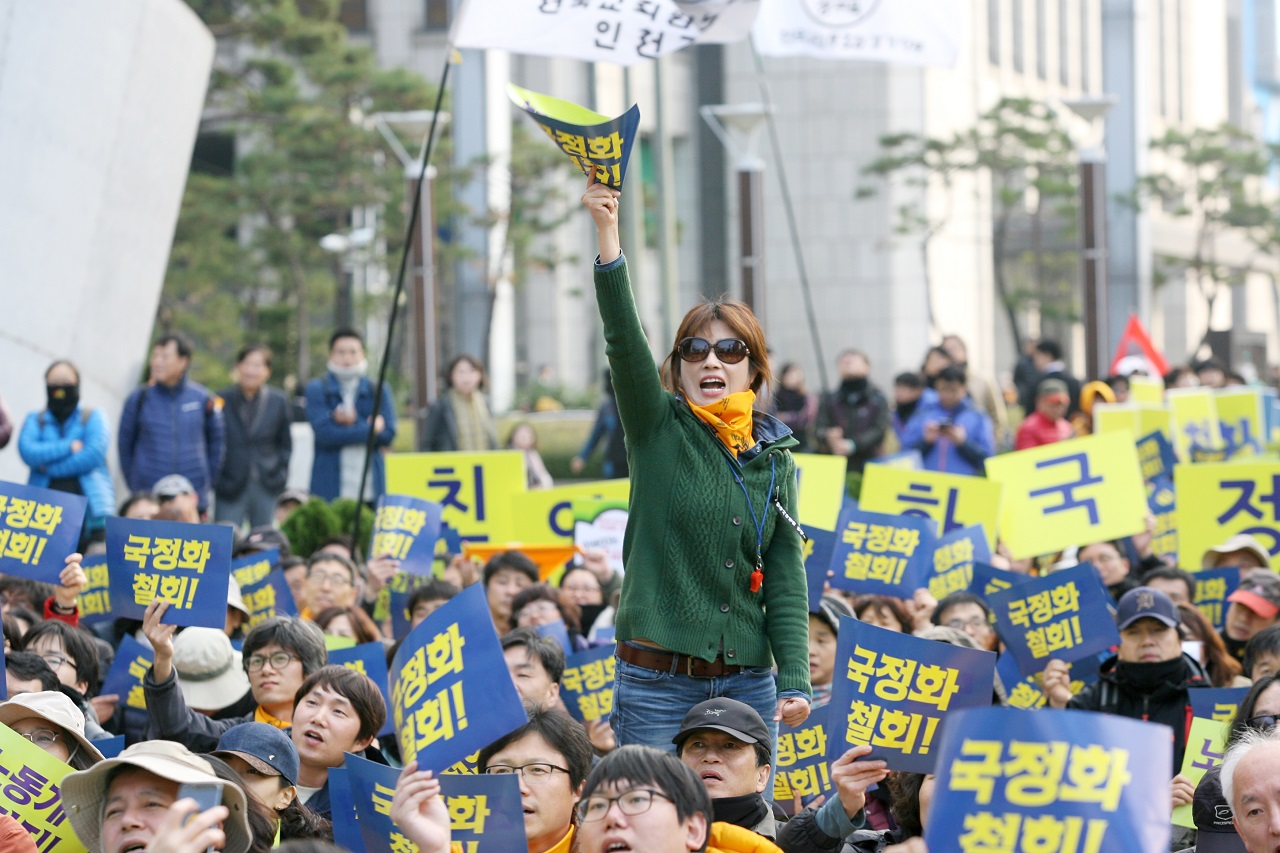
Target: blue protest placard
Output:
[
  {"x": 188, "y": 565},
  {"x": 595, "y": 143},
  {"x": 399, "y": 589},
  {"x": 346, "y": 823},
  {"x": 95, "y": 597},
  {"x": 132, "y": 662},
  {"x": 606, "y": 636},
  {"x": 263, "y": 587},
  {"x": 38, "y": 529},
  {"x": 1063, "y": 616},
  {"x": 1217, "y": 703},
  {"x": 1084, "y": 780},
  {"x": 449, "y": 691},
  {"x": 987, "y": 579},
  {"x": 370, "y": 659},
  {"x": 817, "y": 562},
  {"x": 407, "y": 528},
  {"x": 1027, "y": 692},
  {"x": 894, "y": 691},
  {"x": 1213, "y": 587},
  {"x": 557, "y": 631},
  {"x": 953, "y": 559},
  {"x": 1156, "y": 456},
  {"x": 485, "y": 812},
  {"x": 4, "y": 687},
  {"x": 881, "y": 554},
  {"x": 587, "y": 685},
  {"x": 110, "y": 747},
  {"x": 800, "y": 767},
  {"x": 1163, "y": 503}
]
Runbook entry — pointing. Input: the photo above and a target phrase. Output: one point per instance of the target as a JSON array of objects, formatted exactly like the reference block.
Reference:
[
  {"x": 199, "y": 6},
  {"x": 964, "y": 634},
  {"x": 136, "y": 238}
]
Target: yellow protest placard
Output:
[
  {"x": 1205, "y": 748},
  {"x": 1241, "y": 419},
  {"x": 1146, "y": 389},
  {"x": 1195, "y": 420},
  {"x": 546, "y": 515},
  {"x": 1070, "y": 493},
  {"x": 820, "y": 489},
  {"x": 1228, "y": 498},
  {"x": 31, "y": 793},
  {"x": 954, "y": 501},
  {"x": 474, "y": 489},
  {"x": 1153, "y": 418},
  {"x": 1139, "y": 418}
]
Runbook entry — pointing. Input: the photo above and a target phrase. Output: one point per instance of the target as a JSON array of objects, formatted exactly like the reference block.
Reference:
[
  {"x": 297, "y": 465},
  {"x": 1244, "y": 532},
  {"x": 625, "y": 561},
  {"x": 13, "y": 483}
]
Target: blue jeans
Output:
[{"x": 649, "y": 705}]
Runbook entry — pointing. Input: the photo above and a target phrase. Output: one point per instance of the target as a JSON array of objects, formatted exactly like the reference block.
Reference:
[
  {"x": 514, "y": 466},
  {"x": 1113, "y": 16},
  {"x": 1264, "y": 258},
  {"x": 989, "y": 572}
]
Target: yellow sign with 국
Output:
[
  {"x": 1228, "y": 498},
  {"x": 821, "y": 489},
  {"x": 954, "y": 501},
  {"x": 1070, "y": 493},
  {"x": 546, "y": 515},
  {"x": 474, "y": 489}
]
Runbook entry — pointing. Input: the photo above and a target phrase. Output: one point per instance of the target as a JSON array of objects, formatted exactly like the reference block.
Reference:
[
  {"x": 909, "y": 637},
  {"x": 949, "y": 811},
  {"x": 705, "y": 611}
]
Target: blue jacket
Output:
[
  {"x": 944, "y": 455},
  {"x": 45, "y": 445},
  {"x": 176, "y": 430},
  {"x": 324, "y": 394}
]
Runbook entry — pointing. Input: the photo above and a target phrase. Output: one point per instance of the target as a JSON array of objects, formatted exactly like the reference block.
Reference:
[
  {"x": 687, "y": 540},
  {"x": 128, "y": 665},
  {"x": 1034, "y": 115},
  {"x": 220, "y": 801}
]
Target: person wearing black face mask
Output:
[
  {"x": 65, "y": 446},
  {"x": 854, "y": 418}
]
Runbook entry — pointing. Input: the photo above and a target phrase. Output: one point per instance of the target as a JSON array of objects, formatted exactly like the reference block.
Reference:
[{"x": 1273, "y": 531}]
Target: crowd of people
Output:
[{"x": 717, "y": 646}]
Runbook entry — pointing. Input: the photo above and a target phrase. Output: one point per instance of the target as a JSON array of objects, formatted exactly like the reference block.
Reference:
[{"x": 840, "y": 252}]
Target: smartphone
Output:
[{"x": 206, "y": 794}]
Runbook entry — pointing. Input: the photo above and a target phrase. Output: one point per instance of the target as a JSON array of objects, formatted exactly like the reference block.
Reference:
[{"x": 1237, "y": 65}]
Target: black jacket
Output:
[
  {"x": 263, "y": 443},
  {"x": 1166, "y": 701},
  {"x": 442, "y": 427},
  {"x": 863, "y": 414}
]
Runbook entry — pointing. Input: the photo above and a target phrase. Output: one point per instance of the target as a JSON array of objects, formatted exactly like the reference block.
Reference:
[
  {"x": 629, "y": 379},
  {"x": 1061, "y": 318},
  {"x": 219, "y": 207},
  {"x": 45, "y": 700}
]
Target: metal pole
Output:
[
  {"x": 426, "y": 350},
  {"x": 751, "y": 237},
  {"x": 1093, "y": 232}
]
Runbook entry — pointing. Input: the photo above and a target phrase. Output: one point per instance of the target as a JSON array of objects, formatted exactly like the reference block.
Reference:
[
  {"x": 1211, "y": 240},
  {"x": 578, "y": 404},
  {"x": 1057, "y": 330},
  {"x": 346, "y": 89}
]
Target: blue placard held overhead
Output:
[
  {"x": 953, "y": 557},
  {"x": 1081, "y": 780},
  {"x": 1213, "y": 588},
  {"x": 188, "y": 565},
  {"x": 450, "y": 694},
  {"x": 132, "y": 662},
  {"x": 988, "y": 579},
  {"x": 896, "y": 692},
  {"x": 38, "y": 529},
  {"x": 263, "y": 587},
  {"x": 95, "y": 597},
  {"x": 586, "y": 688},
  {"x": 881, "y": 554},
  {"x": 801, "y": 768},
  {"x": 1217, "y": 703},
  {"x": 406, "y": 529},
  {"x": 1064, "y": 616}
]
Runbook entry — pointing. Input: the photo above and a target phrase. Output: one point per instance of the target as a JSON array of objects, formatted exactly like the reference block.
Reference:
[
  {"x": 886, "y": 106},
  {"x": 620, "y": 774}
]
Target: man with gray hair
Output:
[{"x": 1251, "y": 786}]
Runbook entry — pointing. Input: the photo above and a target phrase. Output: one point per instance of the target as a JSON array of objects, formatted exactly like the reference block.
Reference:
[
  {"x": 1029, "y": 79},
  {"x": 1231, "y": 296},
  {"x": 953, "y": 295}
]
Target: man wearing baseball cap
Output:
[
  {"x": 111, "y": 806},
  {"x": 727, "y": 744},
  {"x": 1048, "y": 423},
  {"x": 1253, "y": 606},
  {"x": 1211, "y": 813}
]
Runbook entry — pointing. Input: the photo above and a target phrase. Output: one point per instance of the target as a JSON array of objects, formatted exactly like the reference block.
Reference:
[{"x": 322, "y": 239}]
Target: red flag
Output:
[{"x": 1136, "y": 335}]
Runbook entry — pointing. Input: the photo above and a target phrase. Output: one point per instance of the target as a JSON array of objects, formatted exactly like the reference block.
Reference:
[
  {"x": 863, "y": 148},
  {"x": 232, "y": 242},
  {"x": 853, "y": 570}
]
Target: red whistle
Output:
[{"x": 757, "y": 578}]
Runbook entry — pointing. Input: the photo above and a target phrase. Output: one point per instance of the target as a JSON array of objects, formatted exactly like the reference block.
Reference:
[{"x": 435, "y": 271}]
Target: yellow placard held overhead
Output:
[
  {"x": 1070, "y": 493},
  {"x": 821, "y": 489},
  {"x": 1223, "y": 499},
  {"x": 1146, "y": 389},
  {"x": 954, "y": 501},
  {"x": 475, "y": 489},
  {"x": 1241, "y": 419},
  {"x": 1115, "y": 417},
  {"x": 1195, "y": 421},
  {"x": 546, "y": 515}
]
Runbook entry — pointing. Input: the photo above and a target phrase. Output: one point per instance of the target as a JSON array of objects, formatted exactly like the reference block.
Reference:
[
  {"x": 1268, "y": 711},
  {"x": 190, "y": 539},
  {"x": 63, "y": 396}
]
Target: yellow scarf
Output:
[
  {"x": 730, "y": 417},
  {"x": 262, "y": 715}
]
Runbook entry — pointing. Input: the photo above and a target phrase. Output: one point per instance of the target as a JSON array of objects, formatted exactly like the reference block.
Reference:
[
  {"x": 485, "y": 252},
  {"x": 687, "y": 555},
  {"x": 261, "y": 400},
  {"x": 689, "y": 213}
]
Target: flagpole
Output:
[
  {"x": 406, "y": 249},
  {"x": 791, "y": 215}
]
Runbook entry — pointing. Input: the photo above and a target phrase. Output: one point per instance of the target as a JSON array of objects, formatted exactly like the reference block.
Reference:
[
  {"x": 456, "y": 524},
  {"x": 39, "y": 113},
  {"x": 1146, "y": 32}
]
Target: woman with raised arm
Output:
[{"x": 714, "y": 591}]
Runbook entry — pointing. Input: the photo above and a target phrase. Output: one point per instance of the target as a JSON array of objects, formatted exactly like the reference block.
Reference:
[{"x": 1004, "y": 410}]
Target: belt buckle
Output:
[{"x": 688, "y": 666}]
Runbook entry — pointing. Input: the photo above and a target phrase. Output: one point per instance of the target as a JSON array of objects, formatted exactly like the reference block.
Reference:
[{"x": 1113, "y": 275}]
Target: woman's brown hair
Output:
[
  {"x": 1221, "y": 666},
  {"x": 740, "y": 320}
]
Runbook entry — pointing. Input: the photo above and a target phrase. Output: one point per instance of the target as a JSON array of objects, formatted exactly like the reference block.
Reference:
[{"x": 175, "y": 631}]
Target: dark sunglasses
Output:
[
  {"x": 1265, "y": 721},
  {"x": 730, "y": 350}
]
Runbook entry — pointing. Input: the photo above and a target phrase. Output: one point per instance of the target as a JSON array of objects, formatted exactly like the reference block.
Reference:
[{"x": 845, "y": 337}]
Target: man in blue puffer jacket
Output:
[
  {"x": 172, "y": 425},
  {"x": 951, "y": 433}
]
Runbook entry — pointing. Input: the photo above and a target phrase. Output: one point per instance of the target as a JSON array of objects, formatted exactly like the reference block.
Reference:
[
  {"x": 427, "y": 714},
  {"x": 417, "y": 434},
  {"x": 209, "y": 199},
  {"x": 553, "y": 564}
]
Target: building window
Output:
[
  {"x": 993, "y": 32},
  {"x": 1017, "y": 24},
  {"x": 437, "y": 14},
  {"x": 354, "y": 15}
]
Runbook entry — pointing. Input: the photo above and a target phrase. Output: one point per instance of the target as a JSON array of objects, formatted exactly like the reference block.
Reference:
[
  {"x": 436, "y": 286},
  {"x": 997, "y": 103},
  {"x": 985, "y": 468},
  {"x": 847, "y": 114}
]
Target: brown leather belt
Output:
[{"x": 672, "y": 662}]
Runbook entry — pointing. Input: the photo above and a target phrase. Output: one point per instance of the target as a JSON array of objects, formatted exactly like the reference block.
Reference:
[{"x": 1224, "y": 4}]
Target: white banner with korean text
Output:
[
  {"x": 915, "y": 32},
  {"x": 622, "y": 32}
]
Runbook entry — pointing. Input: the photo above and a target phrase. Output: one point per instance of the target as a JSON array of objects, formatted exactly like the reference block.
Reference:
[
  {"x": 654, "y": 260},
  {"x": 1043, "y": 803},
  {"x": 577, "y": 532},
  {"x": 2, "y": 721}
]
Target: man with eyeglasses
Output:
[
  {"x": 969, "y": 613},
  {"x": 332, "y": 581},
  {"x": 279, "y": 654},
  {"x": 551, "y": 755}
]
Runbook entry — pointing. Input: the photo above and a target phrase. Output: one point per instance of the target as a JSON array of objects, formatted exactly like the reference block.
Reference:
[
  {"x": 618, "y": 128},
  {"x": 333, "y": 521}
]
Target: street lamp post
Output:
[
  {"x": 425, "y": 340},
  {"x": 1093, "y": 232},
  {"x": 738, "y": 127}
]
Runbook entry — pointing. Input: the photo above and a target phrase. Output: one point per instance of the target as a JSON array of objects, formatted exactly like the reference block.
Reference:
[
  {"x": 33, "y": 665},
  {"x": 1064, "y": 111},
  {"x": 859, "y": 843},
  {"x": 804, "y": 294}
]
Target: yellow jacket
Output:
[{"x": 727, "y": 838}]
